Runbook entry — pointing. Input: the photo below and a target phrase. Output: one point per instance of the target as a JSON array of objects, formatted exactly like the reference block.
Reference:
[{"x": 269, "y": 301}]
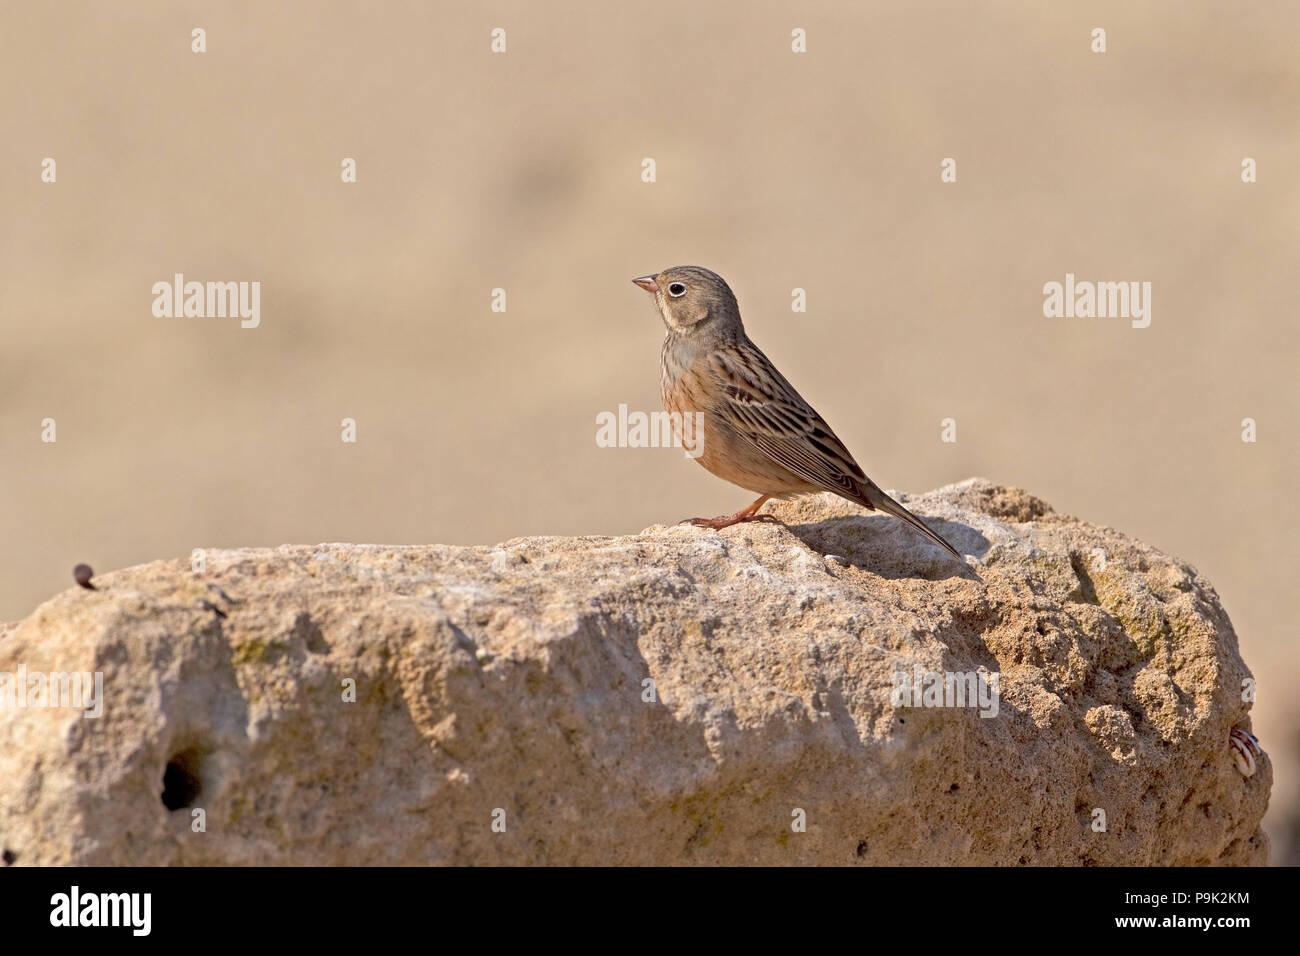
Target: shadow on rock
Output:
[{"x": 882, "y": 545}]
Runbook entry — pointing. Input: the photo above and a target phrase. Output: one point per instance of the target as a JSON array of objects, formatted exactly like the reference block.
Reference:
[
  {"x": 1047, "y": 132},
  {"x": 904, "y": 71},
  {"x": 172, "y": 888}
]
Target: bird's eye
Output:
[{"x": 676, "y": 290}]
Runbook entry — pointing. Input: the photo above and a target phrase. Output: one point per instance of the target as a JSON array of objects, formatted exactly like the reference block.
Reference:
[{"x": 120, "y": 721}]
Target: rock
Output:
[{"x": 512, "y": 684}]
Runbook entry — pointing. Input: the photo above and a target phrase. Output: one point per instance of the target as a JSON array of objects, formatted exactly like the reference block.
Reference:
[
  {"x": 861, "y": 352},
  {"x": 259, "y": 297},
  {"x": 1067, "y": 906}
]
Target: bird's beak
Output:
[{"x": 648, "y": 283}]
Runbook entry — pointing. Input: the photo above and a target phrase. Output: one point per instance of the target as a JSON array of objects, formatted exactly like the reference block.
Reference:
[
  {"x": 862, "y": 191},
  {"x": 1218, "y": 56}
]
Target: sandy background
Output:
[{"x": 522, "y": 171}]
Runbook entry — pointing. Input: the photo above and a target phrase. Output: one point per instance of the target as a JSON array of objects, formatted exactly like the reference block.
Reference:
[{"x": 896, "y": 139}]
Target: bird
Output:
[{"x": 758, "y": 432}]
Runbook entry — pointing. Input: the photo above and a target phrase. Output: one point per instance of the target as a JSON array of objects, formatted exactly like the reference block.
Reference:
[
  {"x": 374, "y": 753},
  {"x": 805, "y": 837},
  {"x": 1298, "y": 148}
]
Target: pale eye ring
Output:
[{"x": 676, "y": 290}]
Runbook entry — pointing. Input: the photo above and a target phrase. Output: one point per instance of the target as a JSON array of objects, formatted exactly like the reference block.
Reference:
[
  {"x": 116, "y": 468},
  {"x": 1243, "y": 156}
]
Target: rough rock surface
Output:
[{"x": 509, "y": 683}]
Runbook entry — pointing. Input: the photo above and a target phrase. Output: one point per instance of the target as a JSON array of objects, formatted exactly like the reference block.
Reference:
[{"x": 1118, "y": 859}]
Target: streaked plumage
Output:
[{"x": 759, "y": 433}]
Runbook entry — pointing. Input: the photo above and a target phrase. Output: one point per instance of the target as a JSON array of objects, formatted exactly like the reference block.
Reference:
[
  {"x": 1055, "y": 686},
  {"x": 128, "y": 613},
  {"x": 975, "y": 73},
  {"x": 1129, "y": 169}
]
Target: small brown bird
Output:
[{"x": 758, "y": 432}]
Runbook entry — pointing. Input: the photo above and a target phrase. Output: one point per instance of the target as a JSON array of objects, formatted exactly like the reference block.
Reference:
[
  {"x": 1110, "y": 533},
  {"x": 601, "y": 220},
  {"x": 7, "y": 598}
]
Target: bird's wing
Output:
[
  {"x": 760, "y": 405},
  {"x": 757, "y": 401}
]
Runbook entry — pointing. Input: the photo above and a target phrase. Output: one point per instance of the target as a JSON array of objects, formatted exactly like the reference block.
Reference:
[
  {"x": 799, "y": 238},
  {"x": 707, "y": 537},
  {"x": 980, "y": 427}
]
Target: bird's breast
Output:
[
  {"x": 677, "y": 358},
  {"x": 680, "y": 382}
]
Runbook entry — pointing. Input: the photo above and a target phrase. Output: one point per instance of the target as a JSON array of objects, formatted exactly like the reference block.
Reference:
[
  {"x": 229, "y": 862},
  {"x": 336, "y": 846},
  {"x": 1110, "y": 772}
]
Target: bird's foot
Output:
[
  {"x": 726, "y": 521},
  {"x": 1245, "y": 748}
]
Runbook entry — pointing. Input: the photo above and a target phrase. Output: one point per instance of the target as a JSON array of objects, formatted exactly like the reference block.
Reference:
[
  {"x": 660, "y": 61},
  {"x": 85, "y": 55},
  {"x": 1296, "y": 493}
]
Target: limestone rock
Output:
[{"x": 677, "y": 696}]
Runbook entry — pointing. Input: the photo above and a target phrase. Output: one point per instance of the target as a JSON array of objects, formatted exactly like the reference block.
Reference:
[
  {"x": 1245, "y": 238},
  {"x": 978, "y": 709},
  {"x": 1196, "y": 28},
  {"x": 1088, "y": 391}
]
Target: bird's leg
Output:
[{"x": 726, "y": 521}]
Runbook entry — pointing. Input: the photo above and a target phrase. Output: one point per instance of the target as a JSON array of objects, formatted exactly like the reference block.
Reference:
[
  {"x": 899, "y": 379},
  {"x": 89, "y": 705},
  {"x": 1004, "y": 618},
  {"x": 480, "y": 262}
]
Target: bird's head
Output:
[{"x": 692, "y": 299}]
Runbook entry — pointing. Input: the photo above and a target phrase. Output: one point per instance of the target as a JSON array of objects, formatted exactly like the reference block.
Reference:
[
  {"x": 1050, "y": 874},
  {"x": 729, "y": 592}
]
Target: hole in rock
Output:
[{"x": 181, "y": 782}]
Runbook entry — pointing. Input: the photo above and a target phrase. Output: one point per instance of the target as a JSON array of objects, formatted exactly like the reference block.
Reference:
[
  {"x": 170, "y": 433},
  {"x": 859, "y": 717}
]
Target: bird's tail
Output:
[{"x": 881, "y": 501}]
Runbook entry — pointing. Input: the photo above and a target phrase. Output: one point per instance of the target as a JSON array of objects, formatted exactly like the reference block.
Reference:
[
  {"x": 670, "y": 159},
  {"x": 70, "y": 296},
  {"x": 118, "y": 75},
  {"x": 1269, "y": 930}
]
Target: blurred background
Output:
[{"x": 522, "y": 171}]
